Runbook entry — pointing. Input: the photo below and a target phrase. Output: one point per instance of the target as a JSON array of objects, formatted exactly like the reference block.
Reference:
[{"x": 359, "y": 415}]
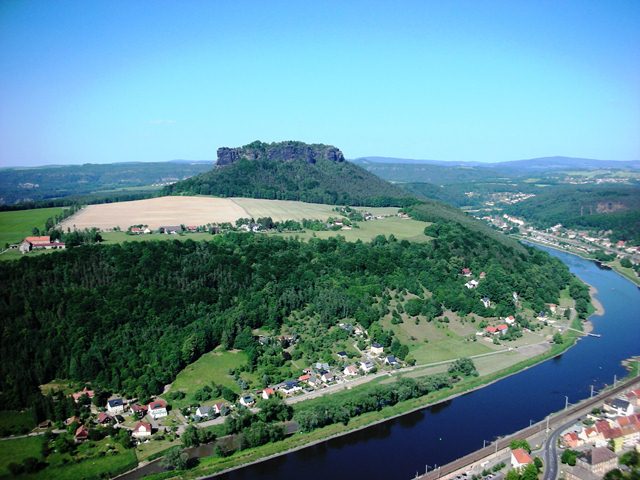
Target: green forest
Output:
[{"x": 129, "y": 317}]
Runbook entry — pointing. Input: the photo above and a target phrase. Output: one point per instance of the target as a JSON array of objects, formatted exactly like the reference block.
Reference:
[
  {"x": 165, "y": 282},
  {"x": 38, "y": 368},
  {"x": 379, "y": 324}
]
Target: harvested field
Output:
[{"x": 177, "y": 210}]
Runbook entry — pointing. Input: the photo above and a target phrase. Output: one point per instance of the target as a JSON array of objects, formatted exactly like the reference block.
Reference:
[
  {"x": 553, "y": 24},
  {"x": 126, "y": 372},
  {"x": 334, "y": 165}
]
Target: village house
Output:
[
  {"x": 220, "y": 408},
  {"x": 314, "y": 380},
  {"x": 553, "y": 308},
  {"x": 377, "y": 349},
  {"x": 510, "y": 320},
  {"x": 71, "y": 420},
  {"x": 103, "y": 419},
  {"x": 170, "y": 229},
  {"x": 328, "y": 377},
  {"x": 482, "y": 275},
  {"x": 391, "y": 360},
  {"x": 633, "y": 397},
  {"x": 618, "y": 407},
  {"x": 267, "y": 393},
  {"x": 471, "y": 284},
  {"x": 85, "y": 391},
  {"x": 598, "y": 460},
  {"x": 40, "y": 243},
  {"x": 115, "y": 406},
  {"x": 290, "y": 387},
  {"x": 82, "y": 434},
  {"x": 572, "y": 440},
  {"x": 304, "y": 378},
  {"x": 351, "y": 371},
  {"x": 203, "y": 411},
  {"x": 367, "y": 366},
  {"x": 157, "y": 409},
  {"x": 486, "y": 302},
  {"x": 141, "y": 430},
  {"x": 466, "y": 272},
  {"x": 136, "y": 230},
  {"x": 342, "y": 355},
  {"x": 139, "y": 410},
  {"x": 520, "y": 458},
  {"x": 247, "y": 401}
]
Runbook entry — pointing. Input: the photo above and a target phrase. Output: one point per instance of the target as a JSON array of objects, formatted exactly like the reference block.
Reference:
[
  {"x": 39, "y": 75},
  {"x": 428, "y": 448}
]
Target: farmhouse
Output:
[
  {"x": 40, "y": 243},
  {"x": 247, "y": 401}
]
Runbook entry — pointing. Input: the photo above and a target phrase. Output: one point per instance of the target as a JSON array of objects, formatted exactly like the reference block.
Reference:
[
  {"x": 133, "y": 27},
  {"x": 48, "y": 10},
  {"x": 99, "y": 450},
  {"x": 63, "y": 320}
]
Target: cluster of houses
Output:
[
  {"x": 166, "y": 229},
  {"x": 498, "y": 330},
  {"x": 43, "y": 242},
  {"x": 115, "y": 408},
  {"x": 615, "y": 429},
  {"x": 473, "y": 283}
]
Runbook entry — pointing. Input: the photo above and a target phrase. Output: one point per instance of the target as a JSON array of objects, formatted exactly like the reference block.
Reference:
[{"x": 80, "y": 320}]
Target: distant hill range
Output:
[
  {"x": 532, "y": 164},
  {"x": 292, "y": 171},
  {"x": 20, "y": 185}
]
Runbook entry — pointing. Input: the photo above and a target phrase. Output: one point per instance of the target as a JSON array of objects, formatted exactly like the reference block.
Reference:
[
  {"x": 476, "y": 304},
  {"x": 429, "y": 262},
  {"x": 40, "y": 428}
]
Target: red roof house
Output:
[
  {"x": 82, "y": 433},
  {"x": 520, "y": 458}
]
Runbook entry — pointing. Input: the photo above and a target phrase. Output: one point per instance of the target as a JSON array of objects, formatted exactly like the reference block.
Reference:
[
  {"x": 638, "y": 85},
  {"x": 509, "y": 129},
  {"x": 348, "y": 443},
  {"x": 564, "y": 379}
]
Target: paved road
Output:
[{"x": 550, "y": 452}]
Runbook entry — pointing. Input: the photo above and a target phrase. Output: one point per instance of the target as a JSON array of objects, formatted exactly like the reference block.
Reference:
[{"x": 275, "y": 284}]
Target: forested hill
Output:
[
  {"x": 292, "y": 171},
  {"x": 129, "y": 317},
  {"x": 600, "y": 207}
]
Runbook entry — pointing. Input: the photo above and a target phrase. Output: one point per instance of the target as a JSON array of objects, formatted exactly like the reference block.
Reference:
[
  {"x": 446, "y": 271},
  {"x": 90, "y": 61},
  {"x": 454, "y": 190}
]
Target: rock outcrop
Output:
[{"x": 280, "y": 151}]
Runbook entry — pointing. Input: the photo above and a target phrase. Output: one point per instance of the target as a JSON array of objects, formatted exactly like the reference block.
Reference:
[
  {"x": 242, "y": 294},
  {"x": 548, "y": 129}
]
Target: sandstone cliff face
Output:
[{"x": 282, "y": 151}]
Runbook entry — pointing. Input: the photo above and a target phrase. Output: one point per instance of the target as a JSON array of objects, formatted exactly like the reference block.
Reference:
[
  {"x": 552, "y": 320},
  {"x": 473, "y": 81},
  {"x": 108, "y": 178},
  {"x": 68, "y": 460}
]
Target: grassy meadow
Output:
[
  {"x": 17, "y": 224},
  {"x": 210, "y": 367}
]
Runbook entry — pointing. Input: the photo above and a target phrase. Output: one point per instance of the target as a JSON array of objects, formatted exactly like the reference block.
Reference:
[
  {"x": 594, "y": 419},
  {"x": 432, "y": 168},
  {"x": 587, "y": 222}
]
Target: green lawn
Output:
[
  {"x": 402, "y": 229},
  {"x": 17, "y": 450},
  {"x": 210, "y": 367},
  {"x": 13, "y": 422},
  {"x": 16, "y": 225}
]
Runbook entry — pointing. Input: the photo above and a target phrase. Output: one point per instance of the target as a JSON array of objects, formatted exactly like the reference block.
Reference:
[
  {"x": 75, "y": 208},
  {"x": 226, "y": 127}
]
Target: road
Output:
[{"x": 550, "y": 452}]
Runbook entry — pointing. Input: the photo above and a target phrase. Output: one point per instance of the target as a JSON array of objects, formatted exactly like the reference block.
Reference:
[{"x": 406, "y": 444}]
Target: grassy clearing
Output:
[
  {"x": 210, "y": 367},
  {"x": 627, "y": 272},
  {"x": 15, "y": 451},
  {"x": 16, "y": 225},
  {"x": 153, "y": 448},
  {"x": 402, "y": 229}
]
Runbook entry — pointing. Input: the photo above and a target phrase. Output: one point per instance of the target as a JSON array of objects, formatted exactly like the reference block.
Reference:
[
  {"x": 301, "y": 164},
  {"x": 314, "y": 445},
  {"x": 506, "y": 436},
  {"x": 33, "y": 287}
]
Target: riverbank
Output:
[
  {"x": 214, "y": 466},
  {"x": 615, "y": 265},
  {"x": 210, "y": 467}
]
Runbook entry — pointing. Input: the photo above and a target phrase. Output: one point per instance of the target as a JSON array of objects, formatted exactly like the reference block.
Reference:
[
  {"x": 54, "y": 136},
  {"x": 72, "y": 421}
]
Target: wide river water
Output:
[{"x": 439, "y": 434}]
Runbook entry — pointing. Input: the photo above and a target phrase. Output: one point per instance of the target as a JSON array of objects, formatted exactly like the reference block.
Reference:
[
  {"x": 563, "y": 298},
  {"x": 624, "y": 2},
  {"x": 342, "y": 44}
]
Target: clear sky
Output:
[{"x": 93, "y": 81}]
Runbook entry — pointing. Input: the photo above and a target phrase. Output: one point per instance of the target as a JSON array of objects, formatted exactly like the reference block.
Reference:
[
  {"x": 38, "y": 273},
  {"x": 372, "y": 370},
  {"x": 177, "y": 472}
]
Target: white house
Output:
[
  {"x": 471, "y": 284},
  {"x": 115, "y": 406},
  {"x": 520, "y": 458},
  {"x": 203, "y": 411},
  {"x": 510, "y": 320},
  {"x": 268, "y": 393},
  {"x": 141, "y": 430},
  {"x": 157, "y": 409},
  {"x": 618, "y": 407},
  {"x": 377, "y": 349},
  {"x": 350, "y": 371},
  {"x": 391, "y": 360},
  {"x": 247, "y": 401},
  {"x": 219, "y": 408},
  {"x": 367, "y": 366}
]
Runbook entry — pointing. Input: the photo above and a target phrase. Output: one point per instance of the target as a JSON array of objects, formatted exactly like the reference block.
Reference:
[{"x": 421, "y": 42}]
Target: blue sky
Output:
[{"x": 93, "y": 81}]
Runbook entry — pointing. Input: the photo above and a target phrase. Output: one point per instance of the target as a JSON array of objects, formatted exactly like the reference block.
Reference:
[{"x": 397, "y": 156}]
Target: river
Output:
[{"x": 439, "y": 434}]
